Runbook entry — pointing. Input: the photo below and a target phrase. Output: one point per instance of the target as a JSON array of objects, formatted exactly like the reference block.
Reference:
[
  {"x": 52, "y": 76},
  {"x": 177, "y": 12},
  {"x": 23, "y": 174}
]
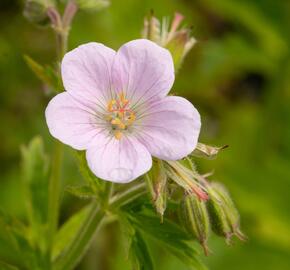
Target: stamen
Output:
[
  {"x": 118, "y": 134},
  {"x": 120, "y": 115}
]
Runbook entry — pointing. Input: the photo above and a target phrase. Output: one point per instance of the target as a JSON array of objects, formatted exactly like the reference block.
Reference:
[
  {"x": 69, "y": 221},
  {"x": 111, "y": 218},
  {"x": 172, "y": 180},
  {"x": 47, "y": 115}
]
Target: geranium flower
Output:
[{"x": 115, "y": 107}]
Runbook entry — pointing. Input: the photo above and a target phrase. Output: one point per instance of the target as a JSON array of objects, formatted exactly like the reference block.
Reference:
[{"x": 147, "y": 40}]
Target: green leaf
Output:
[
  {"x": 46, "y": 74},
  {"x": 6, "y": 266},
  {"x": 68, "y": 230},
  {"x": 141, "y": 253},
  {"x": 169, "y": 234},
  {"x": 94, "y": 182},
  {"x": 18, "y": 237},
  {"x": 36, "y": 186},
  {"x": 83, "y": 192},
  {"x": 135, "y": 246}
]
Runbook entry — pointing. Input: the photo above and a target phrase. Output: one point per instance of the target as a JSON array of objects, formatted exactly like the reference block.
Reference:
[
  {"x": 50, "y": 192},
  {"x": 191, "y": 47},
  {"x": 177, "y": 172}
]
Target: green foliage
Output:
[
  {"x": 68, "y": 231},
  {"x": 238, "y": 78},
  {"x": 94, "y": 182},
  {"x": 168, "y": 234},
  {"x": 46, "y": 74},
  {"x": 135, "y": 246},
  {"x": 36, "y": 185}
]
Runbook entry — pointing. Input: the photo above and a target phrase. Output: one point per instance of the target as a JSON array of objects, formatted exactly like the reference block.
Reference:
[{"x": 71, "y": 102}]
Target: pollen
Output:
[
  {"x": 118, "y": 134},
  {"x": 120, "y": 116}
]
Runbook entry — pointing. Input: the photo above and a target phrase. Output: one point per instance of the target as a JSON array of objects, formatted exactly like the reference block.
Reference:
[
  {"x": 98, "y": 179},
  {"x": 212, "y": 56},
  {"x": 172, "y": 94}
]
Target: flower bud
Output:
[
  {"x": 151, "y": 28},
  {"x": 157, "y": 180},
  {"x": 224, "y": 215},
  {"x": 92, "y": 5},
  {"x": 36, "y": 11},
  {"x": 177, "y": 40},
  {"x": 186, "y": 178},
  {"x": 196, "y": 220}
]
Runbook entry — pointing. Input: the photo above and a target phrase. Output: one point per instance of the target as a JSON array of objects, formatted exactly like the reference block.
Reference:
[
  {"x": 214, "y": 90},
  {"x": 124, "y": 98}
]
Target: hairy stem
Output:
[
  {"x": 93, "y": 222},
  {"x": 61, "y": 31}
]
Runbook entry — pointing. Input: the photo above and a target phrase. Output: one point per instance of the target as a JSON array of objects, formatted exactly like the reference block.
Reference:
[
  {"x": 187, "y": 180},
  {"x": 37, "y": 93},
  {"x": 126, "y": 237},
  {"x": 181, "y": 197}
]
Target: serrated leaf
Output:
[
  {"x": 18, "y": 237},
  {"x": 83, "y": 192},
  {"x": 36, "y": 186},
  {"x": 207, "y": 151},
  {"x": 169, "y": 234},
  {"x": 135, "y": 246},
  {"x": 68, "y": 230},
  {"x": 46, "y": 74},
  {"x": 94, "y": 182},
  {"x": 140, "y": 252}
]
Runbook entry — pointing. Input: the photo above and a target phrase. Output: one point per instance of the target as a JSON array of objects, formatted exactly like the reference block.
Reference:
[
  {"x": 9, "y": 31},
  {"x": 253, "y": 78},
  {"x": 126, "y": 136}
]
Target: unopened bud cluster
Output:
[
  {"x": 176, "y": 39},
  {"x": 204, "y": 206}
]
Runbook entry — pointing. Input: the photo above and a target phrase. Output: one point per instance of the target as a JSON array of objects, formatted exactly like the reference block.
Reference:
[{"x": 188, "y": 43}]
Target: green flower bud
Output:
[
  {"x": 151, "y": 28},
  {"x": 224, "y": 215},
  {"x": 176, "y": 39},
  {"x": 157, "y": 181},
  {"x": 196, "y": 219},
  {"x": 36, "y": 11},
  {"x": 92, "y": 5},
  {"x": 186, "y": 178}
]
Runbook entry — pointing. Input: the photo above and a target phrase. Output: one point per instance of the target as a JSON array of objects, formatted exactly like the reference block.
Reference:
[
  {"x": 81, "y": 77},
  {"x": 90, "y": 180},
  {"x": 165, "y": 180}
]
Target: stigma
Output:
[{"x": 120, "y": 115}]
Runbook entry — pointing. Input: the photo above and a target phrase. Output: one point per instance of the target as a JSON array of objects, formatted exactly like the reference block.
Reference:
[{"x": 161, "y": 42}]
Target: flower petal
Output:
[
  {"x": 143, "y": 70},
  {"x": 119, "y": 161},
  {"x": 74, "y": 122},
  {"x": 169, "y": 129},
  {"x": 86, "y": 71}
]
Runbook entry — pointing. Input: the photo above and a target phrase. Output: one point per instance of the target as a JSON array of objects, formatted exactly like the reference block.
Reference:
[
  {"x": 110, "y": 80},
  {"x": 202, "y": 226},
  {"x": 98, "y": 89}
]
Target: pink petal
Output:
[
  {"x": 169, "y": 128},
  {"x": 143, "y": 70},
  {"x": 86, "y": 71},
  {"x": 119, "y": 161},
  {"x": 74, "y": 122}
]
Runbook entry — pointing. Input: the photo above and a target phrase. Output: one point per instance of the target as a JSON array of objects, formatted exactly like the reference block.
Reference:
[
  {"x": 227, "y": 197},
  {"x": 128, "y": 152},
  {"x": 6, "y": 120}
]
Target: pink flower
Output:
[{"x": 115, "y": 107}]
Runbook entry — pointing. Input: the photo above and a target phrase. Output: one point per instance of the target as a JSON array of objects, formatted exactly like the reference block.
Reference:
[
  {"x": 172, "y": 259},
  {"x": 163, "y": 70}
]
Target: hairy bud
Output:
[
  {"x": 176, "y": 39},
  {"x": 156, "y": 181},
  {"x": 224, "y": 215},
  {"x": 186, "y": 178},
  {"x": 196, "y": 219},
  {"x": 36, "y": 11}
]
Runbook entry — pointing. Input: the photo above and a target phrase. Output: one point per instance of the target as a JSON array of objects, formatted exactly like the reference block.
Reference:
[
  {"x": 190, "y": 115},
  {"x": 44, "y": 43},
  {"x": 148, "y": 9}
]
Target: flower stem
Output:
[
  {"x": 61, "y": 31},
  {"x": 93, "y": 222}
]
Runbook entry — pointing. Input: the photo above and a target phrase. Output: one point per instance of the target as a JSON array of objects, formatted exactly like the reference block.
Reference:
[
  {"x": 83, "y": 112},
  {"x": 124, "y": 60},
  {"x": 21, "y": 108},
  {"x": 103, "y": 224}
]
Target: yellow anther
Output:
[
  {"x": 111, "y": 104},
  {"x": 118, "y": 134},
  {"x": 131, "y": 118},
  {"x": 121, "y": 114},
  {"x": 123, "y": 99}
]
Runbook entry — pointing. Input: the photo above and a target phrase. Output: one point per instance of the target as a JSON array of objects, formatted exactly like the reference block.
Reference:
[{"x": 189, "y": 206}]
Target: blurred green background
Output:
[{"x": 238, "y": 76}]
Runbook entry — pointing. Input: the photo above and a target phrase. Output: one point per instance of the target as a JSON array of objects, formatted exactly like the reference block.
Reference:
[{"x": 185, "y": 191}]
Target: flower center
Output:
[{"x": 120, "y": 115}]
